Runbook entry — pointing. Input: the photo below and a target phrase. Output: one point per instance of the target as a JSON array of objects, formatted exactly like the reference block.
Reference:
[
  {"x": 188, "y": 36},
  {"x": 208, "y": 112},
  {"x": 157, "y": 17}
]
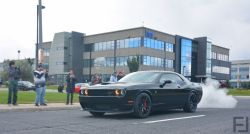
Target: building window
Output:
[
  {"x": 156, "y": 44},
  {"x": 244, "y": 73},
  {"x": 103, "y": 62},
  {"x": 169, "y": 63},
  {"x": 157, "y": 62},
  {"x": 219, "y": 69},
  {"x": 222, "y": 57},
  {"x": 169, "y": 47},
  {"x": 209, "y": 56},
  {"x": 213, "y": 55},
  {"x": 109, "y": 61},
  {"x": 234, "y": 70},
  {"x": 129, "y": 43},
  {"x": 103, "y": 46},
  {"x": 87, "y": 63},
  {"x": 233, "y": 77},
  {"x": 186, "y": 57},
  {"x": 121, "y": 60}
]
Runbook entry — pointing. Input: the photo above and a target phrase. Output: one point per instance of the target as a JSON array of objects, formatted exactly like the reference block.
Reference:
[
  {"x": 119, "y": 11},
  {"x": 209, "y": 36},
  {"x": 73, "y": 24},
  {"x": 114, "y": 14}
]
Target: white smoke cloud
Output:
[{"x": 213, "y": 97}]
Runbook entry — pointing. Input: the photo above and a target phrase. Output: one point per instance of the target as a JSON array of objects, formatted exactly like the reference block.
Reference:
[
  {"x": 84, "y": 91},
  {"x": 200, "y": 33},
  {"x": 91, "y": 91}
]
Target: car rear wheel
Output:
[
  {"x": 97, "y": 114},
  {"x": 142, "y": 106},
  {"x": 191, "y": 104}
]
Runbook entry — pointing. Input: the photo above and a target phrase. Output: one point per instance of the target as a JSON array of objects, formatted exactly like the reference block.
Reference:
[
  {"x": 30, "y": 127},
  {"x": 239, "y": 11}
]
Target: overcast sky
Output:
[{"x": 226, "y": 22}]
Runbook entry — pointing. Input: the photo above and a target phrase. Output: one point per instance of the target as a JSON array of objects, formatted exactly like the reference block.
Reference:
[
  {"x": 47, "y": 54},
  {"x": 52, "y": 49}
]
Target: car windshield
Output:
[{"x": 140, "y": 77}]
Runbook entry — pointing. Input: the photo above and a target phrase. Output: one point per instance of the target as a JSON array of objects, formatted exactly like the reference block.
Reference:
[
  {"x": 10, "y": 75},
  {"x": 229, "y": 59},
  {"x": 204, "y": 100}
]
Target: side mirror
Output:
[{"x": 165, "y": 82}]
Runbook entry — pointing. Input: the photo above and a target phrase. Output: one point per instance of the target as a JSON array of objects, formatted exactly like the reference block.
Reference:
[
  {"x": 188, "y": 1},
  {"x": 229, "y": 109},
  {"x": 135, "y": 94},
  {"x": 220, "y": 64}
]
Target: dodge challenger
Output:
[{"x": 140, "y": 93}]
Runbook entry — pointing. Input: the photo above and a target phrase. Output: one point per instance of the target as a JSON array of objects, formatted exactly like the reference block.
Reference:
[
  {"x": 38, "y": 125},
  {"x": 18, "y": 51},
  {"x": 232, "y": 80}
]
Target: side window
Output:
[
  {"x": 164, "y": 77},
  {"x": 173, "y": 77}
]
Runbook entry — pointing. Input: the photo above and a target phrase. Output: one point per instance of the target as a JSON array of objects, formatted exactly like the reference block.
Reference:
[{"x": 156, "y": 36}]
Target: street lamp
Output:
[{"x": 18, "y": 54}]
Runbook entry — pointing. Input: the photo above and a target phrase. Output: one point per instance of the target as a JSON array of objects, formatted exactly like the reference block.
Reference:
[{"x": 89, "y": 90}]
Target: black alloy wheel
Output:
[
  {"x": 142, "y": 106},
  {"x": 191, "y": 104},
  {"x": 97, "y": 114}
]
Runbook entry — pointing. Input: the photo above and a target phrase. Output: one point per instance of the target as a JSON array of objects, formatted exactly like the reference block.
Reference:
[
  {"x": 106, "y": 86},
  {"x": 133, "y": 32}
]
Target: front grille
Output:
[{"x": 101, "y": 93}]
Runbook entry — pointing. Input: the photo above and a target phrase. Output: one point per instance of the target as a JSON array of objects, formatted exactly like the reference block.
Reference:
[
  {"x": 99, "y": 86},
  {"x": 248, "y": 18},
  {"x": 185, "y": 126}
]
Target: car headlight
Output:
[
  {"x": 119, "y": 92},
  {"x": 84, "y": 92}
]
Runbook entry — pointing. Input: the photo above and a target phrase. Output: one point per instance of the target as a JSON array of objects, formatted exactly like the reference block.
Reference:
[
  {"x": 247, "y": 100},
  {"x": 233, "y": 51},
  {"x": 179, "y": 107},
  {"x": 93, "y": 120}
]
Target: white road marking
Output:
[{"x": 171, "y": 119}]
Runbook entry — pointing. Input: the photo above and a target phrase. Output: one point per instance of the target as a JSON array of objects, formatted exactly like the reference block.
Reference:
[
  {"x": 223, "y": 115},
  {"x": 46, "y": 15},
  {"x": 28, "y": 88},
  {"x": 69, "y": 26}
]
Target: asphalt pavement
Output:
[{"x": 75, "y": 121}]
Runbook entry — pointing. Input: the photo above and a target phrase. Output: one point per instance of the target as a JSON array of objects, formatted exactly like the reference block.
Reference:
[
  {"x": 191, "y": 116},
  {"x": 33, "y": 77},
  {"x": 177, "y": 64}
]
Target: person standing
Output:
[
  {"x": 40, "y": 83},
  {"x": 71, "y": 80},
  {"x": 113, "y": 77},
  {"x": 120, "y": 75},
  {"x": 14, "y": 75},
  {"x": 96, "y": 79}
]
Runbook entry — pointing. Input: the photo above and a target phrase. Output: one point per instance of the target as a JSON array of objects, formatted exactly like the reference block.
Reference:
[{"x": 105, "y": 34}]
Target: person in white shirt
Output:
[
  {"x": 113, "y": 77},
  {"x": 40, "y": 83}
]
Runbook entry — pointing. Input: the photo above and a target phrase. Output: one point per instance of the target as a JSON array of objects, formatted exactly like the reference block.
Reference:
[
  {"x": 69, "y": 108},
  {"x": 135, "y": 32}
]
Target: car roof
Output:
[
  {"x": 158, "y": 71},
  {"x": 162, "y": 71}
]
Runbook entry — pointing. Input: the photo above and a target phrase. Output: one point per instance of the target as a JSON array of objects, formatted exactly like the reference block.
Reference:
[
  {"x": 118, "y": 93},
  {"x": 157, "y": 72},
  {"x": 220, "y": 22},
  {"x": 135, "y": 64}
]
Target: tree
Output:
[
  {"x": 25, "y": 68},
  {"x": 133, "y": 64}
]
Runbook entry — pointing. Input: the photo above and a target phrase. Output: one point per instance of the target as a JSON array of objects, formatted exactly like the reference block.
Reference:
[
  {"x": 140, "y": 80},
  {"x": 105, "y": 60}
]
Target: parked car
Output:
[
  {"x": 79, "y": 86},
  {"x": 60, "y": 88},
  {"x": 25, "y": 85},
  {"x": 140, "y": 93},
  {"x": 1, "y": 82}
]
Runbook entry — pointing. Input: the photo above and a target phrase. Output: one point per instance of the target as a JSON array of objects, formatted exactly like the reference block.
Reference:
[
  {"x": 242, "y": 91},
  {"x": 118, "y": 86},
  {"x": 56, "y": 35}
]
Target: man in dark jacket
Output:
[
  {"x": 71, "y": 80},
  {"x": 14, "y": 76}
]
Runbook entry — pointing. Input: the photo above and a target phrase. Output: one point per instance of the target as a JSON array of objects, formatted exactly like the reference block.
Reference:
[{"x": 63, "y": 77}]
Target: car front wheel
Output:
[
  {"x": 142, "y": 106},
  {"x": 191, "y": 104},
  {"x": 97, "y": 114}
]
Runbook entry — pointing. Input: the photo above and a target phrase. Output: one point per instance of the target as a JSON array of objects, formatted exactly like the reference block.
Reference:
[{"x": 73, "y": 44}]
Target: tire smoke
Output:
[{"x": 215, "y": 97}]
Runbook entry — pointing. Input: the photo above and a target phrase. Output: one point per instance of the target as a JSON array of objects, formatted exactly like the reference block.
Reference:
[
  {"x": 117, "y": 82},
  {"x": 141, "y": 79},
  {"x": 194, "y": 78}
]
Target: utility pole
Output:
[
  {"x": 39, "y": 33},
  {"x": 18, "y": 56}
]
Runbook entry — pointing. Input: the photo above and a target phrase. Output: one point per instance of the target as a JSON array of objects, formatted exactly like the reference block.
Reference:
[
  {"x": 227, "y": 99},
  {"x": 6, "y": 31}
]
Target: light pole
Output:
[
  {"x": 39, "y": 37},
  {"x": 183, "y": 70},
  {"x": 18, "y": 54}
]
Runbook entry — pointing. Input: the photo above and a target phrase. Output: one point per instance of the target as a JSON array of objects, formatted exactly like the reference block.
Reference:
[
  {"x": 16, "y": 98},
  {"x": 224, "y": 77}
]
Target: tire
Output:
[
  {"x": 142, "y": 106},
  {"x": 97, "y": 114},
  {"x": 191, "y": 104}
]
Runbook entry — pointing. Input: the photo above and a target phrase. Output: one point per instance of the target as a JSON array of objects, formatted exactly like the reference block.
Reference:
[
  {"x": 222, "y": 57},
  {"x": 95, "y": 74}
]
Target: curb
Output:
[{"x": 32, "y": 108}]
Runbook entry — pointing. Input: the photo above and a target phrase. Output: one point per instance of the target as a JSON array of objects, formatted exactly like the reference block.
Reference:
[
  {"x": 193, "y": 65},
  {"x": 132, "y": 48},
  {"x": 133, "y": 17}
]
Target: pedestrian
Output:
[
  {"x": 71, "y": 80},
  {"x": 14, "y": 75},
  {"x": 113, "y": 77},
  {"x": 96, "y": 79},
  {"x": 40, "y": 84},
  {"x": 120, "y": 75}
]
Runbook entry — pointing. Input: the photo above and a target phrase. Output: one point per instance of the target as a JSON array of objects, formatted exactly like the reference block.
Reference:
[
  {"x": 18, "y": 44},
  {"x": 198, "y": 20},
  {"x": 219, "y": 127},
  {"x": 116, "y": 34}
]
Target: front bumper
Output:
[{"x": 109, "y": 104}]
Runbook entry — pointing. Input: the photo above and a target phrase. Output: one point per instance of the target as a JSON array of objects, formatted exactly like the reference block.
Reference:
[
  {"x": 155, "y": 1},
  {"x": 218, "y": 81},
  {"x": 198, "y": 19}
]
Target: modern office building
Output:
[
  {"x": 104, "y": 53},
  {"x": 240, "y": 73}
]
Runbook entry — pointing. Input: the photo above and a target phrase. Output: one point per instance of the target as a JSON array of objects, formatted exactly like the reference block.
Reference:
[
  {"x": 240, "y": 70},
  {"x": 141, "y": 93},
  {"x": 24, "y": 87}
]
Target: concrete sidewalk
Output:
[{"x": 32, "y": 107}]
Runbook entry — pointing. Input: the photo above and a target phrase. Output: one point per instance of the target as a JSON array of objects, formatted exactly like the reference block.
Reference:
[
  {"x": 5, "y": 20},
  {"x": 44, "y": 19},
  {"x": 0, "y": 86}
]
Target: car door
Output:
[{"x": 172, "y": 93}]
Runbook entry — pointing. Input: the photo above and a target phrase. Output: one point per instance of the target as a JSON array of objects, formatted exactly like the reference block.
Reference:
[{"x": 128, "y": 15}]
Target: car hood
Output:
[{"x": 120, "y": 85}]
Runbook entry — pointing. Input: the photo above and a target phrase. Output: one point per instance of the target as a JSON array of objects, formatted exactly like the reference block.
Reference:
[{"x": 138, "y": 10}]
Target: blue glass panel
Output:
[{"x": 186, "y": 56}]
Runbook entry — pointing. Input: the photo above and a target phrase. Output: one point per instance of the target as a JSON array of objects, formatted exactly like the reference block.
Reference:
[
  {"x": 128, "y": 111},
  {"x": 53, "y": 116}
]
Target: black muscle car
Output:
[{"x": 140, "y": 93}]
